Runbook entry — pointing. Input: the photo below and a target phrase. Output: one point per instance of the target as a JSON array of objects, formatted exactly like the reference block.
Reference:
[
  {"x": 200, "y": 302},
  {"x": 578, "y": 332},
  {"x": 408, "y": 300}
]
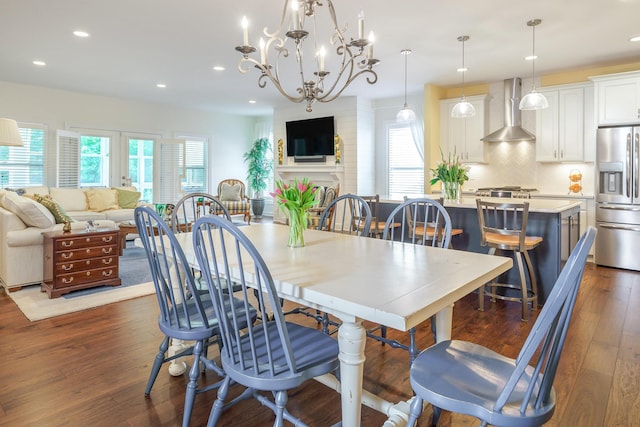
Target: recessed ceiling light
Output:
[
  {"x": 462, "y": 70},
  {"x": 530, "y": 57},
  {"x": 161, "y": 85},
  {"x": 80, "y": 33},
  {"x": 219, "y": 68},
  {"x": 252, "y": 101},
  {"x": 39, "y": 63},
  {"x": 635, "y": 39}
]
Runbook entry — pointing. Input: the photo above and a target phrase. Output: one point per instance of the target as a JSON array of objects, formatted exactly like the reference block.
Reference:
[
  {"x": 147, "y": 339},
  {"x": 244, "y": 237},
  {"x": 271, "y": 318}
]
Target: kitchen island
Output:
[{"x": 557, "y": 221}]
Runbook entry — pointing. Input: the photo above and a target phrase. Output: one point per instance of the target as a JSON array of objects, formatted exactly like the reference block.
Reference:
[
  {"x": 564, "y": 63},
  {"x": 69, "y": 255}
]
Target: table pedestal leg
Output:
[
  {"x": 178, "y": 366},
  {"x": 351, "y": 339}
]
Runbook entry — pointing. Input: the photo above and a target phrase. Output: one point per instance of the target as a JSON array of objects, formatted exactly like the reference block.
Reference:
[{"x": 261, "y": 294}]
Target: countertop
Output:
[{"x": 469, "y": 202}]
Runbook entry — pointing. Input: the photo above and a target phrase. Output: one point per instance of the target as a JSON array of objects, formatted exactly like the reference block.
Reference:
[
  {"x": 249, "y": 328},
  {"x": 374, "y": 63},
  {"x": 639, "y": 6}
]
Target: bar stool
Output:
[
  {"x": 377, "y": 226},
  {"x": 419, "y": 230},
  {"x": 503, "y": 227}
]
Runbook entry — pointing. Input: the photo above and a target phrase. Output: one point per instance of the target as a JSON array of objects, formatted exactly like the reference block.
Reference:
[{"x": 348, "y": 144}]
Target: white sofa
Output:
[{"x": 21, "y": 247}]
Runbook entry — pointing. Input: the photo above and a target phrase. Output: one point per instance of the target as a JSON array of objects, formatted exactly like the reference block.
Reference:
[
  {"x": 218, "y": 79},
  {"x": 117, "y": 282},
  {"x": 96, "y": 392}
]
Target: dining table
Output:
[{"x": 356, "y": 279}]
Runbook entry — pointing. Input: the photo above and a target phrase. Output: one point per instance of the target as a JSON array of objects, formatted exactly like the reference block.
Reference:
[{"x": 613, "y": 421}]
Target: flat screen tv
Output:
[{"x": 311, "y": 139}]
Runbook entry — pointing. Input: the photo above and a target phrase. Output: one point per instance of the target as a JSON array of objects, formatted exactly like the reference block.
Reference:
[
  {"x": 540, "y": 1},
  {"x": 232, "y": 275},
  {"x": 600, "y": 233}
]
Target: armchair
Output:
[{"x": 231, "y": 194}]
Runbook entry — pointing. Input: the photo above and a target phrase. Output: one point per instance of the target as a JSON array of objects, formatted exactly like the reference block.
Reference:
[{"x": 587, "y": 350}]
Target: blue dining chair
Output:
[
  {"x": 272, "y": 356},
  {"x": 419, "y": 221},
  {"x": 185, "y": 314},
  {"x": 468, "y": 378}
]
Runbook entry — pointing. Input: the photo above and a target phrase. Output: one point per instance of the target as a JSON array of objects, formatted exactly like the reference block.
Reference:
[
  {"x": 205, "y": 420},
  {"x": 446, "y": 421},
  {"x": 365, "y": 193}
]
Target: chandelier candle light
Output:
[
  {"x": 296, "y": 200},
  {"x": 315, "y": 84}
]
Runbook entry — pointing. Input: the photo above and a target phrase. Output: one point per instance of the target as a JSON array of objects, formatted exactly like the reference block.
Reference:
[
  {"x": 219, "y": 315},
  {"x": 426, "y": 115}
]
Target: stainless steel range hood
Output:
[{"x": 512, "y": 130}]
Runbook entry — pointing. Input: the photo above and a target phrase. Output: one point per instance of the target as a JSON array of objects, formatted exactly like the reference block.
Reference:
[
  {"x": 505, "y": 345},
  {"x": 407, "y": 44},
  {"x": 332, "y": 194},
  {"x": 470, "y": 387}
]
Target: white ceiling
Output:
[{"x": 135, "y": 44}]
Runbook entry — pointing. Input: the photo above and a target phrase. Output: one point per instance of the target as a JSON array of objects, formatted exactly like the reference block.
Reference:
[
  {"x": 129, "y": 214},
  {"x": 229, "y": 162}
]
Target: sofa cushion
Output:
[
  {"x": 230, "y": 193},
  {"x": 56, "y": 210},
  {"x": 87, "y": 215},
  {"x": 43, "y": 190},
  {"x": 71, "y": 199},
  {"x": 29, "y": 211},
  {"x": 127, "y": 199},
  {"x": 102, "y": 199}
]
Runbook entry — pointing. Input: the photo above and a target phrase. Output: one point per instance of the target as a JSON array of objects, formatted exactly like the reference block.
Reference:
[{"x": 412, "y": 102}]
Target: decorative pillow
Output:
[
  {"x": 127, "y": 199},
  {"x": 29, "y": 211},
  {"x": 58, "y": 212},
  {"x": 102, "y": 199},
  {"x": 71, "y": 199},
  {"x": 230, "y": 193}
]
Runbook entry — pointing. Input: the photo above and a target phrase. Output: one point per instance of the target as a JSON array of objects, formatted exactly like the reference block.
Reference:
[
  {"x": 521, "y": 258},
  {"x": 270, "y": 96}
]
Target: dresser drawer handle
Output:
[
  {"x": 107, "y": 250},
  {"x": 67, "y": 267},
  {"x": 67, "y": 280},
  {"x": 107, "y": 239},
  {"x": 107, "y": 273},
  {"x": 67, "y": 255},
  {"x": 67, "y": 244},
  {"x": 107, "y": 261}
]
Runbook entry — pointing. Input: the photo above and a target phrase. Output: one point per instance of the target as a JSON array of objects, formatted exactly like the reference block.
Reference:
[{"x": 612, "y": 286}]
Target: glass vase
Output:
[
  {"x": 297, "y": 225},
  {"x": 451, "y": 191}
]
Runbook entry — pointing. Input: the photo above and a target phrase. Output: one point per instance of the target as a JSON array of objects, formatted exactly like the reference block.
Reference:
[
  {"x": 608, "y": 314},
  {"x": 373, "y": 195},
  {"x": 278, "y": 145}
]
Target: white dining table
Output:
[{"x": 355, "y": 279}]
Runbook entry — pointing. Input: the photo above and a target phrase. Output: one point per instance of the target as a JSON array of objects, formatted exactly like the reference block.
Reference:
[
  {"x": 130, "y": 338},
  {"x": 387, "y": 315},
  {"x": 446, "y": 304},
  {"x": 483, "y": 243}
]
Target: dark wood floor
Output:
[{"x": 90, "y": 368}]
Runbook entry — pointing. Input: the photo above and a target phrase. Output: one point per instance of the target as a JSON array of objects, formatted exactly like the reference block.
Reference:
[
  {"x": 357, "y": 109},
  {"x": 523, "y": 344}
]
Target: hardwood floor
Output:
[{"x": 90, "y": 368}]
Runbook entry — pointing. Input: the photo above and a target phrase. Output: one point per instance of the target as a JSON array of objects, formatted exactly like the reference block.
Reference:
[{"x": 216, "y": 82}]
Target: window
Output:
[
  {"x": 24, "y": 166},
  {"x": 406, "y": 164},
  {"x": 195, "y": 165},
  {"x": 94, "y": 161}
]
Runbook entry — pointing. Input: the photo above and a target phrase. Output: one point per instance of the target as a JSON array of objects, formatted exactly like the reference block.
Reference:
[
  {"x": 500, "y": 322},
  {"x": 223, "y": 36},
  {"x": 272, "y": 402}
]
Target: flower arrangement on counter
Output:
[
  {"x": 452, "y": 173},
  {"x": 296, "y": 200}
]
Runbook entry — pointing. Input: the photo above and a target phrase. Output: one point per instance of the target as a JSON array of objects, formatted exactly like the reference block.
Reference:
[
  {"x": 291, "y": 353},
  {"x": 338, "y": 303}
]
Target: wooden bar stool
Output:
[{"x": 503, "y": 227}]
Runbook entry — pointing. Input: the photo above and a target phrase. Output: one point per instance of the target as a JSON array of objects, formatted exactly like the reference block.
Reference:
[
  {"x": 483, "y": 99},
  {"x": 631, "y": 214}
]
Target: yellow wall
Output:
[{"x": 583, "y": 74}]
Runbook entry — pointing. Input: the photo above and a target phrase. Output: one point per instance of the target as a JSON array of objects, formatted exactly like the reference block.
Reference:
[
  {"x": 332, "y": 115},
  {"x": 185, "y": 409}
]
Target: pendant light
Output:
[
  {"x": 463, "y": 108},
  {"x": 406, "y": 115},
  {"x": 533, "y": 100}
]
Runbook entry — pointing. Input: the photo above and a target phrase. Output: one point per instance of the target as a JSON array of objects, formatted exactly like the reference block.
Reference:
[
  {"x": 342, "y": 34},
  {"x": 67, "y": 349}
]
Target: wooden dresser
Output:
[{"x": 80, "y": 260}]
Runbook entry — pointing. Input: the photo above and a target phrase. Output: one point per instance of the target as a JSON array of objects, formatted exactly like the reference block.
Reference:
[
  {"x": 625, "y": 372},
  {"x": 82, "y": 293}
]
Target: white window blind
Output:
[
  {"x": 68, "y": 159},
  {"x": 195, "y": 165},
  {"x": 169, "y": 155},
  {"x": 24, "y": 166},
  {"x": 406, "y": 167}
]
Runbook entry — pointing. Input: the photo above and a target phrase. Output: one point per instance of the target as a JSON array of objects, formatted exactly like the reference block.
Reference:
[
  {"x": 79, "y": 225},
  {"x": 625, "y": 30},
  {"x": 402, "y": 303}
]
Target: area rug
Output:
[{"x": 136, "y": 282}]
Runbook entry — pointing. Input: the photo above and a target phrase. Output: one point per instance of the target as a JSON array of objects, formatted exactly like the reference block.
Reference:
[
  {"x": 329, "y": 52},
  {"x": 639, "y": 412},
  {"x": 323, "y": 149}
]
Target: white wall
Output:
[{"x": 229, "y": 135}]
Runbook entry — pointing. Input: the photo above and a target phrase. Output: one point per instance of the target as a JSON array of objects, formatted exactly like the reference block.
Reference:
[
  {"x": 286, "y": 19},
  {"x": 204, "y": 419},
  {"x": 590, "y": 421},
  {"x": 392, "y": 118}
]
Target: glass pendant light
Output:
[
  {"x": 463, "y": 108},
  {"x": 406, "y": 115},
  {"x": 533, "y": 100}
]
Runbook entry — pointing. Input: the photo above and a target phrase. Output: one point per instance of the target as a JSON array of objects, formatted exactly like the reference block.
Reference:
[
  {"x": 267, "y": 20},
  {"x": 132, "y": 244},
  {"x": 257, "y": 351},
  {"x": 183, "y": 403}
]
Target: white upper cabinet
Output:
[
  {"x": 618, "y": 98},
  {"x": 560, "y": 129},
  {"x": 462, "y": 135}
]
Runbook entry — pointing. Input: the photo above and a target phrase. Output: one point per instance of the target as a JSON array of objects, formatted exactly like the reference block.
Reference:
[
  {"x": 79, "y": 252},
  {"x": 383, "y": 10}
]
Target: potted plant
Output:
[{"x": 258, "y": 172}]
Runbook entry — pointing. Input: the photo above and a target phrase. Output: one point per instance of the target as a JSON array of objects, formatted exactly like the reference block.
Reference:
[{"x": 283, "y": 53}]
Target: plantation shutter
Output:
[
  {"x": 68, "y": 155},
  {"x": 406, "y": 167},
  {"x": 24, "y": 166},
  {"x": 169, "y": 166}
]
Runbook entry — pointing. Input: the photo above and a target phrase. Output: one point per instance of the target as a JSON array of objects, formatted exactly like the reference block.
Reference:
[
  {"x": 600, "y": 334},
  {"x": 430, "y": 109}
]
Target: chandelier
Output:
[{"x": 316, "y": 82}]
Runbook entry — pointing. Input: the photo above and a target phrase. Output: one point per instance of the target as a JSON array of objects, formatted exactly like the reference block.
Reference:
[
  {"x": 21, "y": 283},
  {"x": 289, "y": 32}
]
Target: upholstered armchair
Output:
[
  {"x": 231, "y": 193},
  {"x": 325, "y": 196}
]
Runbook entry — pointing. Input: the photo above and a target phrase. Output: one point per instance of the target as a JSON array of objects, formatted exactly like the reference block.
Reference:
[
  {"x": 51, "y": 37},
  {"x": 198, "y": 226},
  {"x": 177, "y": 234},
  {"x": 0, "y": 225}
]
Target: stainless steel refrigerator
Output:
[{"x": 618, "y": 197}]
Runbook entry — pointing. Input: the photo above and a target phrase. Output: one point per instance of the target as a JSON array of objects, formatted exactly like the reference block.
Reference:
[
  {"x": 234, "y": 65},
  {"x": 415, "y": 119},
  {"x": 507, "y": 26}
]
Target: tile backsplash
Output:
[{"x": 512, "y": 163}]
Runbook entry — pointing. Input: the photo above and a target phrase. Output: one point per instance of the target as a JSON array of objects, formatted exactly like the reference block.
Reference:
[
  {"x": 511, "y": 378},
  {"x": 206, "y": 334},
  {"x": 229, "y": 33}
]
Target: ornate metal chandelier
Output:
[{"x": 316, "y": 82}]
